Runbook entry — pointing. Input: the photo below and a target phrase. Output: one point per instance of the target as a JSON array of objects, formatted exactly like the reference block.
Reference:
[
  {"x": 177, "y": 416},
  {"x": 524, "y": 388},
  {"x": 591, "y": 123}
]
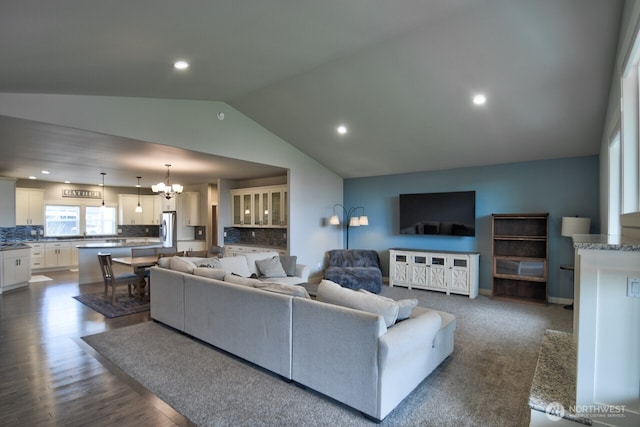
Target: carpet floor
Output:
[
  {"x": 485, "y": 382},
  {"x": 123, "y": 306}
]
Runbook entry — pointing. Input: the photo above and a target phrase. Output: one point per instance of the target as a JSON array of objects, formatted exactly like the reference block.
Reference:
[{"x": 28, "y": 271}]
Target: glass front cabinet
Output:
[{"x": 259, "y": 207}]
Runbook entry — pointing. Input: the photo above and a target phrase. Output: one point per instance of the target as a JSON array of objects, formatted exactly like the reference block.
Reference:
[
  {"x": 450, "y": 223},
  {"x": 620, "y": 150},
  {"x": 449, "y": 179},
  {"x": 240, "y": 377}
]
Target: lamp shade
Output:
[
  {"x": 575, "y": 225},
  {"x": 364, "y": 220},
  {"x": 354, "y": 221},
  {"x": 334, "y": 220}
]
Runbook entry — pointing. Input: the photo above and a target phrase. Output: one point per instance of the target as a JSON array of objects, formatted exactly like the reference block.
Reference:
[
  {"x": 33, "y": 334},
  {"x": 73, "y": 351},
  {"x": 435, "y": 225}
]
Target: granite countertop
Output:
[
  {"x": 255, "y": 245},
  {"x": 606, "y": 242},
  {"x": 115, "y": 245},
  {"x": 553, "y": 389},
  {"x": 13, "y": 246}
]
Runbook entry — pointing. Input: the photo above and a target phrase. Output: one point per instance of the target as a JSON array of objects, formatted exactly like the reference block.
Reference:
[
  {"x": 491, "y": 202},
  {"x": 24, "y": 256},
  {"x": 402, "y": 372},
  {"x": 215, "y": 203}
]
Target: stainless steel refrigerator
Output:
[{"x": 168, "y": 229}]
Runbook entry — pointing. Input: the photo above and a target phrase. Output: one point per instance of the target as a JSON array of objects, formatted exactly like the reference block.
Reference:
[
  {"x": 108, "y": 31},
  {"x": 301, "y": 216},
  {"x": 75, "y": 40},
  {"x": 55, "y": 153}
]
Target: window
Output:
[
  {"x": 62, "y": 220},
  {"x": 100, "y": 220}
]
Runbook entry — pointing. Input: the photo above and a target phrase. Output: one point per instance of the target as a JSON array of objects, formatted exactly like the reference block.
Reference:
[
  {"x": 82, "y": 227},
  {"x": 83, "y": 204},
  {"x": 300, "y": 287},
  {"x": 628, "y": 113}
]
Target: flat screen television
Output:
[{"x": 444, "y": 214}]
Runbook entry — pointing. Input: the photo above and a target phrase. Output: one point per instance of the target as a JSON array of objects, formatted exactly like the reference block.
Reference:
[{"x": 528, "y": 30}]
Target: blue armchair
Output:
[{"x": 355, "y": 269}]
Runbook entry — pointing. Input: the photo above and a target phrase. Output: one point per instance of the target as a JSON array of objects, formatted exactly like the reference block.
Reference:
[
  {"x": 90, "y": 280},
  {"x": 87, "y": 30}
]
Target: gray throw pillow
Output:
[
  {"x": 405, "y": 306},
  {"x": 289, "y": 264},
  {"x": 270, "y": 267}
]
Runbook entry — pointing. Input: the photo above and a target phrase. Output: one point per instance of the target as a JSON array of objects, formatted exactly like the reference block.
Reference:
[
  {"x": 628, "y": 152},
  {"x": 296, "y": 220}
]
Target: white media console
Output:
[{"x": 450, "y": 272}]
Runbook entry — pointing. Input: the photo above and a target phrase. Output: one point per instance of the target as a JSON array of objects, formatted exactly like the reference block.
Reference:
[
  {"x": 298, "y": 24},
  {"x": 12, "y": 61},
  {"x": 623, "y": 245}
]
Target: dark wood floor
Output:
[{"x": 49, "y": 376}]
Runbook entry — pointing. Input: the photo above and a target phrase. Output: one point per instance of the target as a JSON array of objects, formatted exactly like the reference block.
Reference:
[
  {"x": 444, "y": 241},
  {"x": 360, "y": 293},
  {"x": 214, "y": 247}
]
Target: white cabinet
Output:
[
  {"x": 167, "y": 205},
  {"x": 8, "y": 205},
  {"x": 127, "y": 204},
  {"x": 37, "y": 256},
  {"x": 192, "y": 209},
  {"x": 58, "y": 254},
  {"x": 151, "y": 210},
  {"x": 191, "y": 245},
  {"x": 259, "y": 207},
  {"x": 16, "y": 269},
  {"x": 235, "y": 250},
  {"x": 29, "y": 206},
  {"x": 450, "y": 272}
]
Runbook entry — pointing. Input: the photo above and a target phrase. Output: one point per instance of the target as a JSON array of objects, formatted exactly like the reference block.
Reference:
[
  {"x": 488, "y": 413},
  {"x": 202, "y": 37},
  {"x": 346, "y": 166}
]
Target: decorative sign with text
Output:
[{"x": 81, "y": 194}]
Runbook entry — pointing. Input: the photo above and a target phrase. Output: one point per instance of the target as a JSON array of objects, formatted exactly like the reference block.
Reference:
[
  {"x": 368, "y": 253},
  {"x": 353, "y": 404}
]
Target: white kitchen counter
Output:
[{"x": 88, "y": 266}]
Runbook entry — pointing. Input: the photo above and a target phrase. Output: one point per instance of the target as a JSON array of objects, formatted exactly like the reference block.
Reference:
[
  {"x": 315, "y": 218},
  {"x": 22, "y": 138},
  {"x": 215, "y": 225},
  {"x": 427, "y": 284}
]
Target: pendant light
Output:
[
  {"x": 138, "y": 208},
  {"x": 103, "y": 174}
]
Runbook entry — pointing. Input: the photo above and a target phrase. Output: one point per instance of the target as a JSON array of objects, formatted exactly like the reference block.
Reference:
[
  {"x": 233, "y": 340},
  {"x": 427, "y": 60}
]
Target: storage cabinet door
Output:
[
  {"x": 438, "y": 273},
  {"x": 459, "y": 282},
  {"x": 400, "y": 268},
  {"x": 419, "y": 271}
]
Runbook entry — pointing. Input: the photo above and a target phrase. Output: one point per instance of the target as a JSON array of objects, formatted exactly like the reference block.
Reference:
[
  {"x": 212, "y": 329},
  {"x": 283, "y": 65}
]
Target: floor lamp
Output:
[
  {"x": 349, "y": 219},
  {"x": 572, "y": 225}
]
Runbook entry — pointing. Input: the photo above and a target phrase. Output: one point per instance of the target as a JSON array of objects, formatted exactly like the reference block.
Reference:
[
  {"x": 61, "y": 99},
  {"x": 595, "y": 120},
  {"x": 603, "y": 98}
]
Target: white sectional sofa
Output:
[{"x": 352, "y": 355}]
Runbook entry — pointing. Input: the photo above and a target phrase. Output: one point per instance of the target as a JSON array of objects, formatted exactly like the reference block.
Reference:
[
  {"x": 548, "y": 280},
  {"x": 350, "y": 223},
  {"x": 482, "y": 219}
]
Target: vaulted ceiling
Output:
[{"x": 400, "y": 75}]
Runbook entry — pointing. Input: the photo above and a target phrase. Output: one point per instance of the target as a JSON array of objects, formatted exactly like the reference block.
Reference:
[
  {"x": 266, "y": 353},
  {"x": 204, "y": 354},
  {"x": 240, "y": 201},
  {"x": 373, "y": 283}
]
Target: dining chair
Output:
[{"x": 130, "y": 279}]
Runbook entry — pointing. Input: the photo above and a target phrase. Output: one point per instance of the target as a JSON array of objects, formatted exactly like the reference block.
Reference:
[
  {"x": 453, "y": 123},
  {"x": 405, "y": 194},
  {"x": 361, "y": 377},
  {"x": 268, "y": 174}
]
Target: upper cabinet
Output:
[
  {"x": 192, "y": 209},
  {"x": 259, "y": 207},
  {"x": 151, "y": 210},
  {"x": 29, "y": 206}
]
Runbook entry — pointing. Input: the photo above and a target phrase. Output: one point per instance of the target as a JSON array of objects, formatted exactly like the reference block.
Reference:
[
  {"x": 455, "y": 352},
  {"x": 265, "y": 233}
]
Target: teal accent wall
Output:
[{"x": 561, "y": 187}]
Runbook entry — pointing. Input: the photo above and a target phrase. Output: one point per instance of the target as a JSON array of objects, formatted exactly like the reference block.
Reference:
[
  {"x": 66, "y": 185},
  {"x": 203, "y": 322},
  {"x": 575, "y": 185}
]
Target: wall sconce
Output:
[{"x": 350, "y": 219}]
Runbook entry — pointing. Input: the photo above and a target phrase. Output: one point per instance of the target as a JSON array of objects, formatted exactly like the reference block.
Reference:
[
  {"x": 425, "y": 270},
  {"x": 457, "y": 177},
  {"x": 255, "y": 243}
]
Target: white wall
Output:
[{"x": 192, "y": 125}]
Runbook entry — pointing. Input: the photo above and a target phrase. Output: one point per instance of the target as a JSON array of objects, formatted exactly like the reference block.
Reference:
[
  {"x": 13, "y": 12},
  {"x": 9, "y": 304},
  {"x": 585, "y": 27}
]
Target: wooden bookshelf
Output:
[{"x": 520, "y": 249}]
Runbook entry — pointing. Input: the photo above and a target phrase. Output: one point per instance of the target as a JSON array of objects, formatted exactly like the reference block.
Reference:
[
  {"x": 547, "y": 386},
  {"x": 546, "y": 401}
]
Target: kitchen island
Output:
[{"x": 88, "y": 266}]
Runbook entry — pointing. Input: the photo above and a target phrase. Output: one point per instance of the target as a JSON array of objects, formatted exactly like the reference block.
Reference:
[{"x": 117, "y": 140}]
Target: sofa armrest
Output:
[
  {"x": 404, "y": 337},
  {"x": 303, "y": 271}
]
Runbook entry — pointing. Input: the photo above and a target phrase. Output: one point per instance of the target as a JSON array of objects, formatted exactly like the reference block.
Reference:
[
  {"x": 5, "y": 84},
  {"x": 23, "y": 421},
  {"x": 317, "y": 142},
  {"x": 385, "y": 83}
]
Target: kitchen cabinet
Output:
[
  {"x": 16, "y": 268},
  {"x": 151, "y": 210},
  {"x": 191, "y": 245},
  {"x": 8, "y": 205},
  {"x": 236, "y": 250},
  {"x": 29, "y": 206},
  {"x": 450, "y": 272},
  {"x": 58, "y": 254},
  {"x": 259, "y": 207},
  {"x": 37, "y": 256},
  {"x": 192, "y": 209},
  {"x": 167, "y": 205}
]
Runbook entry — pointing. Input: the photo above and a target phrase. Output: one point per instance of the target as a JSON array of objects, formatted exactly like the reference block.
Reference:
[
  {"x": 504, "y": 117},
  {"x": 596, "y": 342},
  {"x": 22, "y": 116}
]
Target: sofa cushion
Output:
[
  {"x": 235, "y": 264},
  {"x": 239, "y": 280},
  {"x": 281, "y": 288},
  {"x": 405, "y": 306},
  {"x": 211, "y": 273},
  {"x": 252, "y": 257},
  {"x": 270, "y": 267},
  {"x": 289, "y": 264},
  {"x": 209, "y": 262},
  {"x": 181, "y": 264},
  {"x": 164, "y": 262},
  {"x": 333, "y": 293}
]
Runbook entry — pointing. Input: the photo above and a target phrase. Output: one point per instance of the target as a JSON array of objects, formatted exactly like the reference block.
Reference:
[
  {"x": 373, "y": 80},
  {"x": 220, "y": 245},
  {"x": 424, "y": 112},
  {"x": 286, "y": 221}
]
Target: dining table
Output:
[{"x": 139, "y": 264}]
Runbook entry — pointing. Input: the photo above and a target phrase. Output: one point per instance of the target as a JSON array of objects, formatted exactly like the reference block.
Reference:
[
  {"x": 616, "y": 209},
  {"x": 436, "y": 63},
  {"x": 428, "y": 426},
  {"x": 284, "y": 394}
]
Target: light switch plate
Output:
[{"x": 633, "y": 287}]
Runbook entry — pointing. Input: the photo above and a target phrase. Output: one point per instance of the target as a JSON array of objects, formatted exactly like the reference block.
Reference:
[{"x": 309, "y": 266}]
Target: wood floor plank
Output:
[{"x": 48, "y": 376}]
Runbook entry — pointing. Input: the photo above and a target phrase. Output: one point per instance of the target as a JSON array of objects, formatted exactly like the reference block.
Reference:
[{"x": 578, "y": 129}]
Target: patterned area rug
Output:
[{"x": 123, "y": 306}]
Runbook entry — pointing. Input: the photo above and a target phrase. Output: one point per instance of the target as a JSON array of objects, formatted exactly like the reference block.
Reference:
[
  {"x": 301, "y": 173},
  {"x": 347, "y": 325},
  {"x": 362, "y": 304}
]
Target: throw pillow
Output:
[
  {"x": 164, "y": 262},
  {"x": 405, "y": 306},
  {"x": 270, "y": 267},
  {"x": 252, "y": 257},
  {"x": 235, "y": 264},
  {"x": 332, "y": 293},
  {"x": 289, "y": 263}
]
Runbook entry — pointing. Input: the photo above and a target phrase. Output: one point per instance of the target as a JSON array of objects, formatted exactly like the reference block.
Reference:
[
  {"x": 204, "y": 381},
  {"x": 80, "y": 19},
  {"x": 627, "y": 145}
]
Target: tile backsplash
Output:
[{"x": 276, "y": 237}]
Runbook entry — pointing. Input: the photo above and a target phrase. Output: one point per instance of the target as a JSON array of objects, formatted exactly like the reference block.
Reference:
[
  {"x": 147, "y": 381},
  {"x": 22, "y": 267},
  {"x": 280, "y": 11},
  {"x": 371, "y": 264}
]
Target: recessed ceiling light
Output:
[
  {"x": 181, "y": 65},
  {"x": 479, "y": 99},
  {"x": 45, "y": 172},
  {"x": 342, "y": 129},
  {"x": 32, "y": 177},
  {"x": 67, "y": 182}
]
